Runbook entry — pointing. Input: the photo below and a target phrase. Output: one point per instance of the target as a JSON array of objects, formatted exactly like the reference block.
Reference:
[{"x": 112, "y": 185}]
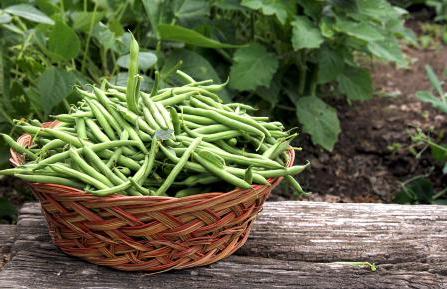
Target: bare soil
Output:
[{"x": 362, "y": 167}]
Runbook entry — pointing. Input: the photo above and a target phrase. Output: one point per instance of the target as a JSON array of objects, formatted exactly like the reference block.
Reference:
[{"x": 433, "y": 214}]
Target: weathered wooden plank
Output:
[
  {"x": 7, "y": 234},
  {"x": 292, "y": 245}
]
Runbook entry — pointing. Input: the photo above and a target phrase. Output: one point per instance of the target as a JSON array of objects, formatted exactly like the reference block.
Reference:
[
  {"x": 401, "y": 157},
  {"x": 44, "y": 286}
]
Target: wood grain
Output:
[
  {"x": 293, "y": 245},
  {"x": 7, "y": 234}
]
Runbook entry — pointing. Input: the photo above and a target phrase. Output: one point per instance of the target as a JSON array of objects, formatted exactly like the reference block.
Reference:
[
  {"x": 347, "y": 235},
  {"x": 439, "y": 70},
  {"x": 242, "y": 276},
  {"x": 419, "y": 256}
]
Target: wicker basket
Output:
[{"x": 148, "y": 233}]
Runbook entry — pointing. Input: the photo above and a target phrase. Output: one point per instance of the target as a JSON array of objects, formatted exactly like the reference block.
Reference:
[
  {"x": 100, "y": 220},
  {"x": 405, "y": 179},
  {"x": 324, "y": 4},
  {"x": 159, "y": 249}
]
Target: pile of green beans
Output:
[{"x": 175, "y": 141}]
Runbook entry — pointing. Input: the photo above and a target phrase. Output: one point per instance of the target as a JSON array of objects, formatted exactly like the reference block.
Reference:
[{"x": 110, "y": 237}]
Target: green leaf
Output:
[
  {"x": 106, "y": 38},
  {"x": 388, "y": 49},
  {"x": 428, "y": 97},
  {"x": 54, "y": 85},
  {"x": 4, "y": 17},
  {"x": 268, "y": 7},
  {"x": 191, "y": 9},
  {"x": 29, "y": 13},
  {"x": 164, "y": 134},
  {"x": 83, "y": 19},
  {"x": 271, "y": 94},
  {"x": 153, "y": 10},
  {"x": 331, "y": 64},
  {"x": 434, "y": 80},
  {"x": 189, "y": 36},
  {"x": 360, "y": 30},
  {"x": 305, "y": 34},
  {"x": 319, "y": 120},
  {"x": 379, "y": 10},
  {"x": 439, "y": 152},
  {"x": 64, "y": 42},
  {"x": 356, "y": 83},
  {"x": 7, "y": 209},
  {"x": 417, "y": 191},
  {"x": 253, "y": 66},
  {"x": 146, "y": 60},
  {"x": 121, "y": 80}
]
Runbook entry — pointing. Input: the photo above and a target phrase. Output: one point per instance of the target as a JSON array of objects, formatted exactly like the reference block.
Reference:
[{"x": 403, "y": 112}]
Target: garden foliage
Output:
[{"x": 285, "y": 56}]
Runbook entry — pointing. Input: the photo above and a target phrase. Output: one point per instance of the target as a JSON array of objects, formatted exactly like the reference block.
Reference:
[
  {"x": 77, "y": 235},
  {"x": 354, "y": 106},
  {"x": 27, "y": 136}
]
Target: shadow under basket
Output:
[{"x": 148, "y": 233}]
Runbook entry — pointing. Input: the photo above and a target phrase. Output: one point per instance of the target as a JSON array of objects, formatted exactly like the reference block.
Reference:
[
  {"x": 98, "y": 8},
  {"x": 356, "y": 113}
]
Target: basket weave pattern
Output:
[{"x": 148, "y": 233}]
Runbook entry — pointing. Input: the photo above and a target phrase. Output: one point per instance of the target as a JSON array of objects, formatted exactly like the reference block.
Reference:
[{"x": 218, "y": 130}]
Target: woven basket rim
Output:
[{"x": 26, "y": 140}]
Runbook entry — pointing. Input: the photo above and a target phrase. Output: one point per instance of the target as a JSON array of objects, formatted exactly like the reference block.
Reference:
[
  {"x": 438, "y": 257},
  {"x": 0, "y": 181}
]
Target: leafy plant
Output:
[
  {"x": 420, "y": 189},
  {"x": 285, "y": 56},
  {"x": 292, "y": 50}
]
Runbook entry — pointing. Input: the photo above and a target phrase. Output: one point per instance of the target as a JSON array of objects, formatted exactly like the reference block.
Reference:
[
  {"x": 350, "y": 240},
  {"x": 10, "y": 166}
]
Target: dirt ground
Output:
[{"x": 362, "y": 167}]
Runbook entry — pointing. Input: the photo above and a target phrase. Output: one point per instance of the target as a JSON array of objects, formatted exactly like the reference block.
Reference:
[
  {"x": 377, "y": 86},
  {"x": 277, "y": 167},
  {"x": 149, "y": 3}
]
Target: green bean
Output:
[
  {"x": 73, "y": 116},
  {"x": 49, "y": 180},
  {"x": 18, "y": 148},
  {"x": 233, "y": 150},
  {"x": 244, "y": 120},
  {"x": 150, "y": 119},
  {"x": 121, "y": 188},
  {"x": 140, "y": 188},
  {"x": 197, "y": 119},
  {"x": 100, "y": 165},
  {"x": 168, "y": 92},
  {"x": 185, "y": 76},
  {"x": 214, "y": 128},
  {"x": 282, "y": 172},
  {"x": 101, "y": 120},
  {"x": 117, "y": 153},
  {"x": 64, "y": 136},
  {"x": 249, "y": 175},
  {"x": 102, "y": 147},
  {"x": 85, "y": 167},
  {"x": 15, "y": 171},
  {"x": 135, "y": 119},
  {"x": 80, "y": 128},
  {"x": 178, "y": 167},
  {"x": 192, "y": 125},
  {"x": 97, "y": 132},
  {"x": 221, "y": 118},
  {"x": 117, "y": 172},
  {"x": 35, "y": 122},
  {"x": 156, "y": 84},
  {"x": 294, "y": 183},
  {"x": 221, "y": 173},
  {"x": 198, "y": 179},
  {"x": 78, "y": 175},
  {"x": 165, "y": 114},
  {"x": 246, "y": 107},
  {"x": 139, "y": 177},
  {"x": 178, "y": 98},
  {"x": 275, "y": 150},
  {"x": 132, "y": 82},
  {"x": 232, "y": 141},
  {"x": 214, "y": 136},
  {"x": 125, "y": 171},
  {"x": 189, "y": 192},
  {"x": 155, "y": 112},
  {"x": 152, "y": 154},
  {"x": 259, "y": 162},
  {"x": 132, "y": 133},
  {"x": 118, "y": 129},
  {"x": 175, "y": 120}
]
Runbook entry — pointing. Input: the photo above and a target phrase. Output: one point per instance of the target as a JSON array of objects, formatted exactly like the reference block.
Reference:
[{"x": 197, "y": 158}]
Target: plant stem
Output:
[
  {"x": 89, "y": 36},
  {"x": 313, "y": 80}
]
